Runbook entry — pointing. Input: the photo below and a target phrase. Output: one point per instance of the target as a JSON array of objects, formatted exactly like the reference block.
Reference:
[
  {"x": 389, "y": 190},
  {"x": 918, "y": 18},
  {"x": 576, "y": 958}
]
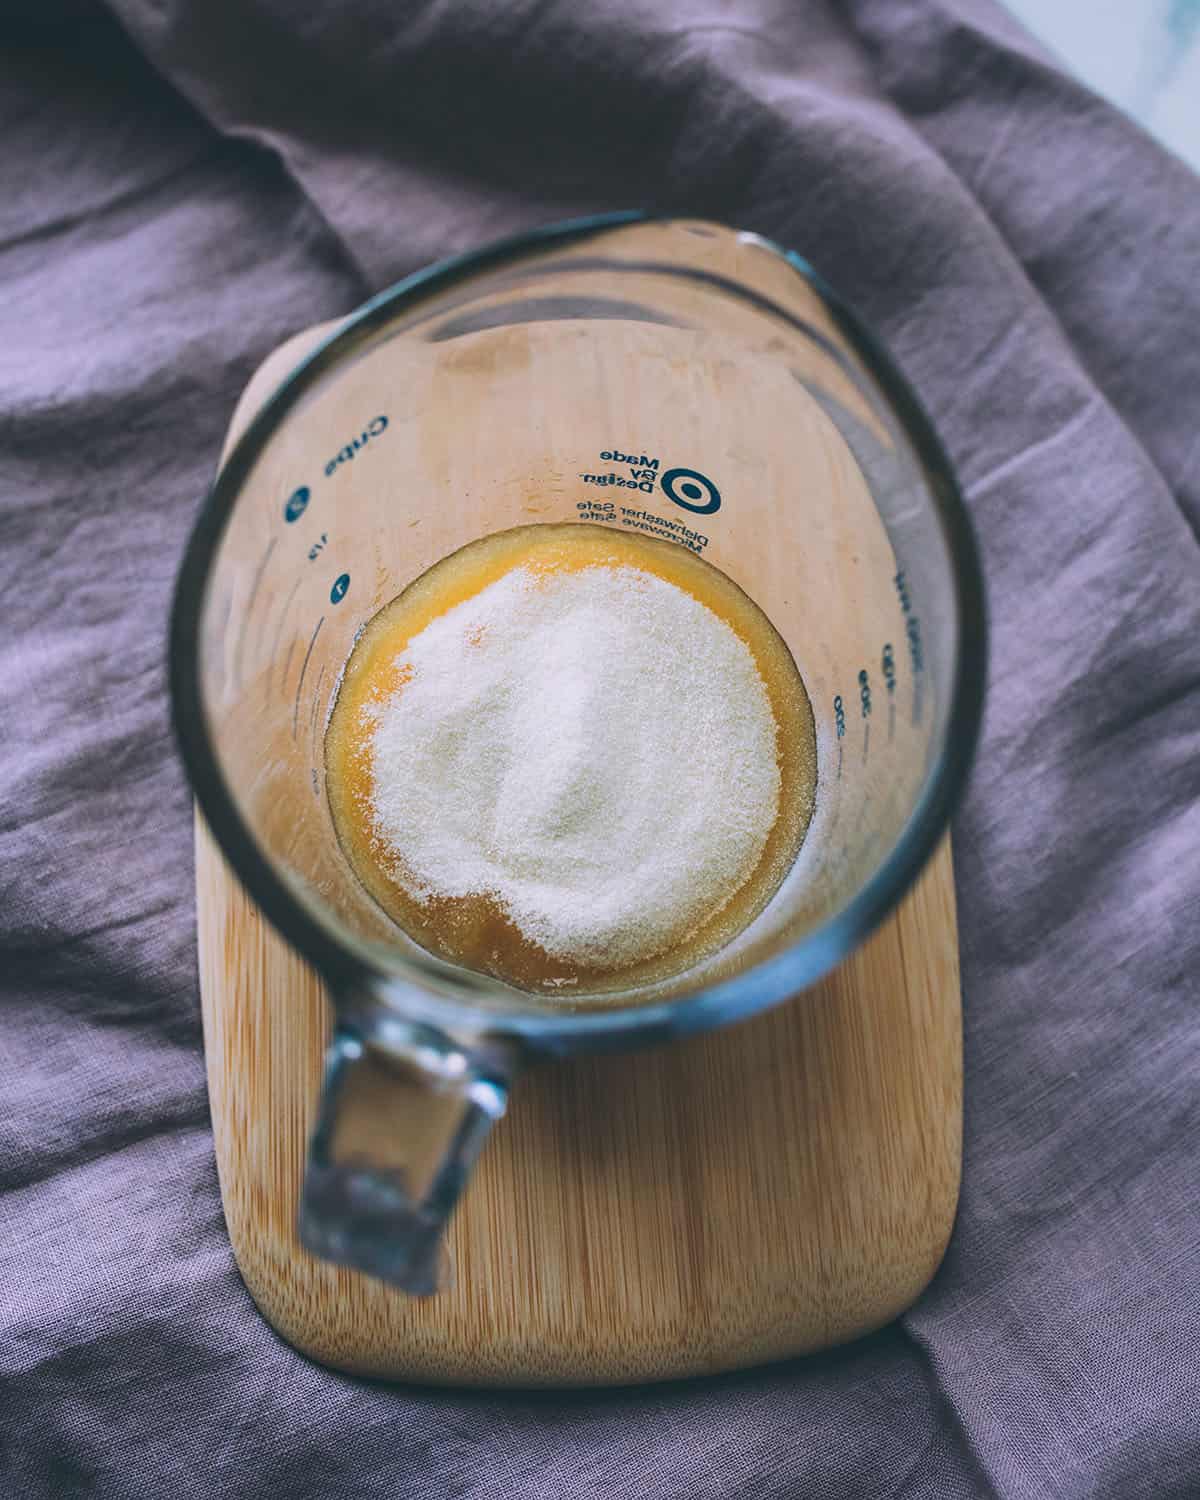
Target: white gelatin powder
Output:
[{"x": 594, "y": 750}]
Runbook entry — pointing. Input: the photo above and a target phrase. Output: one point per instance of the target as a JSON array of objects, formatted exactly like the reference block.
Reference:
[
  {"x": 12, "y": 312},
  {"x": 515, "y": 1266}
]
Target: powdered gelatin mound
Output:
[{"x": 554, "y": 760}]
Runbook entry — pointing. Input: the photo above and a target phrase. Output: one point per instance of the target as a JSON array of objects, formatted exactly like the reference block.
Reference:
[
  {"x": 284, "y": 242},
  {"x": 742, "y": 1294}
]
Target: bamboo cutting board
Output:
[{"x": 758, "y": 1192}]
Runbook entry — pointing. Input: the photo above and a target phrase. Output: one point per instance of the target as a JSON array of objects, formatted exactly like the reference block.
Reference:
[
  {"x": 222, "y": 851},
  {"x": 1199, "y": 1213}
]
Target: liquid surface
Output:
[{"x": 416, "y": 757}]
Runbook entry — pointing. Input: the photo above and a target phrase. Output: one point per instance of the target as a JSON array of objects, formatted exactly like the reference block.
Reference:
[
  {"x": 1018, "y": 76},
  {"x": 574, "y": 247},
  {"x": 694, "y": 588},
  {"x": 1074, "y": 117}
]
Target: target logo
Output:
[{"x": 692, "y": 490}]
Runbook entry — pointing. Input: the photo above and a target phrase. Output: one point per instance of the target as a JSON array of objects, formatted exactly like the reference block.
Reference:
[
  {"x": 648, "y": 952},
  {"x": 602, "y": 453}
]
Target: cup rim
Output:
[{"x": 350, "y": 972}]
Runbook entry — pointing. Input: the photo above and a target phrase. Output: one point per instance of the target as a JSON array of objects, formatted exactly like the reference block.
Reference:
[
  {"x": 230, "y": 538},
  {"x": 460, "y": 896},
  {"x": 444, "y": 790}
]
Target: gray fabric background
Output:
[{"x": 182, "y": 184}]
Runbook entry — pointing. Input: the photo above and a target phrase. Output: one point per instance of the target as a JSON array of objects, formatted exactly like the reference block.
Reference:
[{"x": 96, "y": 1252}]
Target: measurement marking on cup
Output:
[
  {"x": 283, "y": 616},
  {"x": 239, "y": 648},
  {"x": 303, "y": 669},
  {"x": 312, "y": 718},
  {"x": 287, "y": 663},
  {"x": 864, "y": 699},
  {"x": 916, "y": 648},
  {"x": 887, "y": 665},
  {"x": 312, "y": 722},
  {"x": 297, "y": 503},
  {"x": 839, "y": 724}
]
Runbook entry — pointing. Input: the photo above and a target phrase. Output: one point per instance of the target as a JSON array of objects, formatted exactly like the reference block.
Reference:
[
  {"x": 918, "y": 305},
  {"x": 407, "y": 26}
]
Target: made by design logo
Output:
[{"x": 687, "y": 488}]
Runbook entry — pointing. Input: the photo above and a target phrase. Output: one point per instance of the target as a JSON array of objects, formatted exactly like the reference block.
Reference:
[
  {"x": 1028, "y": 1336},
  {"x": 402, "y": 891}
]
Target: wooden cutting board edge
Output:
[{"x": 719, "y": 1223}]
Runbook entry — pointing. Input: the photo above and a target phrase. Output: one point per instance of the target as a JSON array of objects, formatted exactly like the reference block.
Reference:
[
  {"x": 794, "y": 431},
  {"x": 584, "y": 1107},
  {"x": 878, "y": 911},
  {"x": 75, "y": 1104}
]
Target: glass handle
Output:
[{"x": 401, "y": 1124}]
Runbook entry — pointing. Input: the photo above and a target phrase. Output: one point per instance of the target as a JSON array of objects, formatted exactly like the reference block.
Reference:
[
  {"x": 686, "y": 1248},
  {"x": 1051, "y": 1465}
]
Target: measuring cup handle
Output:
[{"x": 400, "y": 1127}]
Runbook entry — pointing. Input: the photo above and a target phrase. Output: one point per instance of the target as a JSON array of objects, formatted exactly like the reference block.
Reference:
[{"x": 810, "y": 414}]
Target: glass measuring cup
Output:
[{"x": 677, "y": 379}]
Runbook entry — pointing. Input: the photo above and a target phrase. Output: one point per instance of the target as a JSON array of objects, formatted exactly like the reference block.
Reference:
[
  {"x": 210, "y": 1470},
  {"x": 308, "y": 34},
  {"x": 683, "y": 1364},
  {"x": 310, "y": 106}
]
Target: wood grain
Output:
[{"x": 762, "y": 1191}]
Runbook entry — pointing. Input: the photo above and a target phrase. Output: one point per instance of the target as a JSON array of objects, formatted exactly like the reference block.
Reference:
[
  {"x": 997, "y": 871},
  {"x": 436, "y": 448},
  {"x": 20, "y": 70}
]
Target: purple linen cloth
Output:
[{"x": 182, "y": 185}]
